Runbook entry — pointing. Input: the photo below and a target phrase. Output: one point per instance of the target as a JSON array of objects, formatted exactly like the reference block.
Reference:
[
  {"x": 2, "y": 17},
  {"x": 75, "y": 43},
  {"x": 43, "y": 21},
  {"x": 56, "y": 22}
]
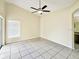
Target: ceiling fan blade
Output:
[
  {"x": 34, "y": 8},
  {"x": 44, "y": 6},
  {"x": 34, "y": 11},
  {"x": 46, "y": 10}
]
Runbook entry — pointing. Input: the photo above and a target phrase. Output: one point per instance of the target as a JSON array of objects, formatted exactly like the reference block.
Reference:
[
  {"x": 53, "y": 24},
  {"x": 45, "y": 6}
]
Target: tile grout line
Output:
[
  {"x": 35, "y": 50},
  {"x": 69, "y": 54},
  {"x": 10, "y": 52},
  {"x": 44, "y": 52},
  {"x": 57, "y": 53},
  {"x": 29, "y": 52},
  {"x": 19, "y": 53},
  {"x": 50, "y": 54},
  {"x": 24, "y": 55}
]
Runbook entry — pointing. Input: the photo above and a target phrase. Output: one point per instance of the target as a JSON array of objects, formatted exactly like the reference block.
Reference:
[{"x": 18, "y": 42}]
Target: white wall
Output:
[
  {"x": 30, "y": 23},
  {"x": 57, "y": 26},
  {"x": 2, "y": 9}
]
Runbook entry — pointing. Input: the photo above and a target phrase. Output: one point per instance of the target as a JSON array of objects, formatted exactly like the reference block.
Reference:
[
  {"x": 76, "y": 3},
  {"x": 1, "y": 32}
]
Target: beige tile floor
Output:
[{"x": 37, "y": 49}]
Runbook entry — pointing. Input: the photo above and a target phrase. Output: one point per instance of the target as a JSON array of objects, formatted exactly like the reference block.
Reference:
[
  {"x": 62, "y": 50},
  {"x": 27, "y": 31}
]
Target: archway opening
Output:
[{"x": 76, "y": 28}]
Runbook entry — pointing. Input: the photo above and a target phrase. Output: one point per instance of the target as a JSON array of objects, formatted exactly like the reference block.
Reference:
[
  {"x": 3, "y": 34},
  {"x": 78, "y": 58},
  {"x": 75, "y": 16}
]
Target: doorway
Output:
[{"x": 76, "y": 28}]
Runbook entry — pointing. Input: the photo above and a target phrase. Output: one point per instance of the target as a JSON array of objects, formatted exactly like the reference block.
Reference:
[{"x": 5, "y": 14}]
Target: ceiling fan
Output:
[{"x": 40, "y": 9}]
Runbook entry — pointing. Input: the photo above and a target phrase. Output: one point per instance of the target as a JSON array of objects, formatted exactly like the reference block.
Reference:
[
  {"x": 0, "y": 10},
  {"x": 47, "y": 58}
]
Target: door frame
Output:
[{"x": 3, "y": 31}]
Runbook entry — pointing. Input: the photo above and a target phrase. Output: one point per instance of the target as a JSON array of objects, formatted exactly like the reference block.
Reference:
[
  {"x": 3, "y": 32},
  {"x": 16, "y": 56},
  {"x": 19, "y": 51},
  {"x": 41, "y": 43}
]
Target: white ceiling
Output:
[{"x": 53, "y": 5}]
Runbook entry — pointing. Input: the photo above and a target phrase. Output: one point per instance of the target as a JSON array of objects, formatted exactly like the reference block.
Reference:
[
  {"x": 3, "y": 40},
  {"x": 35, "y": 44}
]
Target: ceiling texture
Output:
[{"x": 53, "y": 5}]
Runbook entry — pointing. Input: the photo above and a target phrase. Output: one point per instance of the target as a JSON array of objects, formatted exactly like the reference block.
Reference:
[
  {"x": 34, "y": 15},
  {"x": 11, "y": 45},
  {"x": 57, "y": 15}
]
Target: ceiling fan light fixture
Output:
[{"x": 40, "y": 12}]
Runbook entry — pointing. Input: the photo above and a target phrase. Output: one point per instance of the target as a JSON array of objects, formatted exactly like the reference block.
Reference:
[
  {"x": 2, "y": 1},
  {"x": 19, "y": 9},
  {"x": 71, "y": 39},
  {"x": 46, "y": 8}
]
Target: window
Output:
[{"x": 13, "y": 28}]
